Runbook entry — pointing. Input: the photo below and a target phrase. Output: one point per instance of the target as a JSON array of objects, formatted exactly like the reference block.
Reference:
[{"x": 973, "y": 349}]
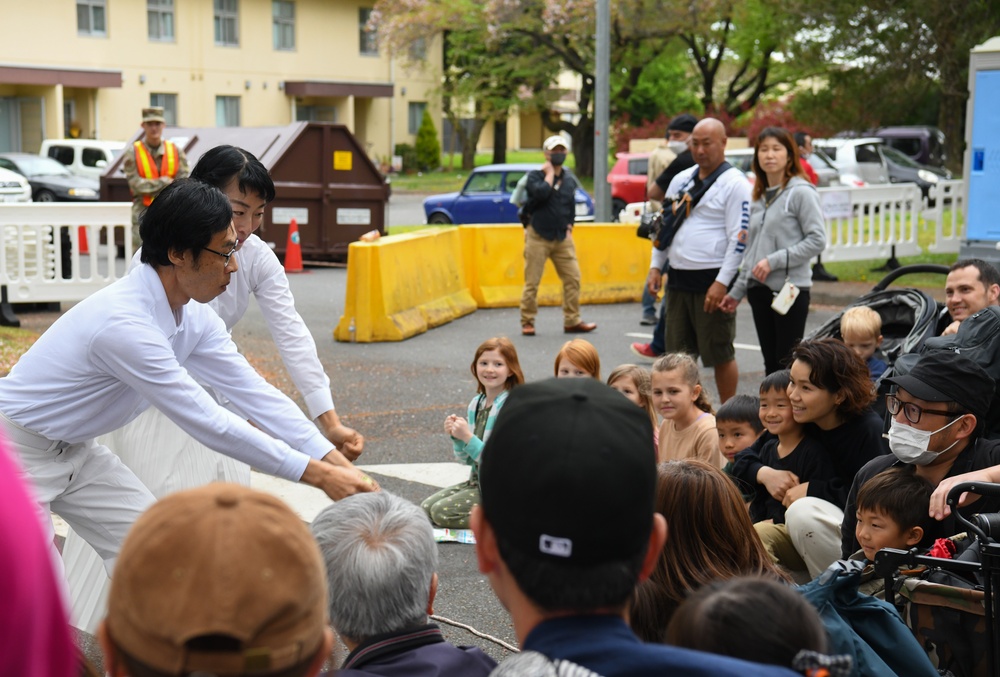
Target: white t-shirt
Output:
[{"x": 715, "y": 234}]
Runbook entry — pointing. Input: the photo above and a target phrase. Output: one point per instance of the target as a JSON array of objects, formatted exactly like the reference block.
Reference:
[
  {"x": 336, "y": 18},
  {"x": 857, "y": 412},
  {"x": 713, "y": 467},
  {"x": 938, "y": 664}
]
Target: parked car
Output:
[
  {"x": 628, "y": 180},
  {"x": 83, "y": 157},
  {"x": 485, "y": 198},
  {"x": 50, "y": 181},
  {"x": 14, "y": 187},
  {"x": 859, "y": 158},
  {"x": 921, "y": 143},
  {"x": 903, "y": 169}
]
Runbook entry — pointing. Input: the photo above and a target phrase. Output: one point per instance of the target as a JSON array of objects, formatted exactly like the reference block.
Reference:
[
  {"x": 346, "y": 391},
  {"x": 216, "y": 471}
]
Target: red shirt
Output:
[{"x": 810, "y": 172}]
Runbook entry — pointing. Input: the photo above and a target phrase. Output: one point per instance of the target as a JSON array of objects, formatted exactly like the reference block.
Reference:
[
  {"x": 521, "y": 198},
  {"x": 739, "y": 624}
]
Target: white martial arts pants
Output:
[{"x": 85, "y": 484}]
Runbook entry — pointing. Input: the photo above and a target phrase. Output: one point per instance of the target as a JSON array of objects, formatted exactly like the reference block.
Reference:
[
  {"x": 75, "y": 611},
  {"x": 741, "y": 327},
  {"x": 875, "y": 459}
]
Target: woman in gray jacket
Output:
[{"x": 786, "y": 232}]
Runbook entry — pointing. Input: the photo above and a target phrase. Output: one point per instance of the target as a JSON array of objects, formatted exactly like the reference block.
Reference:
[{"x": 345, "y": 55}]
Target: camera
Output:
[{"x": 989, "y": 522}]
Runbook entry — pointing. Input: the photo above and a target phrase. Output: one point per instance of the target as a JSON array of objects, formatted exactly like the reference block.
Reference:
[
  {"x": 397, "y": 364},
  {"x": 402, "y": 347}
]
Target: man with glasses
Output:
[
  {"x": 140, "y": 343},
  {"x": 937, "y": 413}
]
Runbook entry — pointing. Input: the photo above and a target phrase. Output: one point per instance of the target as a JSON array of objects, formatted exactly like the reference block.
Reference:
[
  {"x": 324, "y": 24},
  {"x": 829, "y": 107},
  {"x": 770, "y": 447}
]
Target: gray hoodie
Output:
[{"x": 791, "y": 231}]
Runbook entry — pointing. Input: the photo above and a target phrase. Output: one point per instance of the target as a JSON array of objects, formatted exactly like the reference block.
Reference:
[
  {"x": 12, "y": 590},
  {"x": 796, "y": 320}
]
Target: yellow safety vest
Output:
[{"x": 147, "y": 168}]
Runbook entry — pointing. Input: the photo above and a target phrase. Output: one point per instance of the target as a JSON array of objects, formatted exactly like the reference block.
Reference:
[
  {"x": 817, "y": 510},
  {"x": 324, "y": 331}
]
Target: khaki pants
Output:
[
  {"x": 563, "y": 254},
  {"x": 809, "y": 541}
]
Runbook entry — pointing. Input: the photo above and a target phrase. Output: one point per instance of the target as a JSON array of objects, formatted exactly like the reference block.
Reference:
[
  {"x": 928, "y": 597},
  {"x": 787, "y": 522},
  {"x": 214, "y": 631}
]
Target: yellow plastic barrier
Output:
[
  {"x": 613, "y": 265},
  {"x": 403, "y": 285}
]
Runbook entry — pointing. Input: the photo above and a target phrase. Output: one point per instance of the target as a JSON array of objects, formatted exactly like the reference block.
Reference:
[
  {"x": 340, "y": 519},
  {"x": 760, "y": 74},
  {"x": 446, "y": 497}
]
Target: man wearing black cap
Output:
[
  {"x": 567, "y": 528},
  {"x": 678, "y": 132},
  {"x": 938, "y": 411}
]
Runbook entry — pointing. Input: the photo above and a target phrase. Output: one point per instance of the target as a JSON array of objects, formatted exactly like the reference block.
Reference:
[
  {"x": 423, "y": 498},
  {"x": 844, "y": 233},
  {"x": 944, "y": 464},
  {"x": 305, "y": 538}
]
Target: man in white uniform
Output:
[{"x": 139, "y": 343}]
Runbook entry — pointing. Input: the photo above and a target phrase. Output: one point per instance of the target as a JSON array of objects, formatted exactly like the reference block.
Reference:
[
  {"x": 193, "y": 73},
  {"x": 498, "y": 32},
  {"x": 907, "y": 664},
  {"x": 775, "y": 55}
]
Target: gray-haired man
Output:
[{"x": 381, "y": 563}]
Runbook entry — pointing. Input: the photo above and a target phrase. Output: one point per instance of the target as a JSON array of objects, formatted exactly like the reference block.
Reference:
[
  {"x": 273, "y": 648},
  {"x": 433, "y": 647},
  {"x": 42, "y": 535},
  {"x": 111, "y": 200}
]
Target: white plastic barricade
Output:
[
  {"x": 872, "y": 222},
  {"x": 42, "y": 261},
  {"x": 949, "y": 206}
]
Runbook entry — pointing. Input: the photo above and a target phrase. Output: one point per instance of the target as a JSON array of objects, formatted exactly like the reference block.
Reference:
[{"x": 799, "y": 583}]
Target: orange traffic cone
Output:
[
  {"x": 293, "y": 250},
  {"x": 82, "y": 237}
]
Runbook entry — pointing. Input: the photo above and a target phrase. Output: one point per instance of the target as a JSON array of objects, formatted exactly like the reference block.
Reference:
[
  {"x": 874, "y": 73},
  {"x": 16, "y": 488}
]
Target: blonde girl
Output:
[
  {"x": 578, "y": 359},
  {"x": 688, "y": 429},
  {"x": 635, "y": 383},
  {"x": 497, "y": 370}
]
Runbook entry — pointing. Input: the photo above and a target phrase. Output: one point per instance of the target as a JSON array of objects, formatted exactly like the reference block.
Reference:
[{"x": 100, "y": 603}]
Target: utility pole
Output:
[{"x": 602, "y": 191}]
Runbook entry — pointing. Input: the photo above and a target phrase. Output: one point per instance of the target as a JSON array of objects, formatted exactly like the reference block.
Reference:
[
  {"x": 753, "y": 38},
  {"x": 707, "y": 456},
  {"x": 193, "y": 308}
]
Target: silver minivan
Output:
[
  {"x": 860, "y": 157},
  {"x": 83, "y": 157}
]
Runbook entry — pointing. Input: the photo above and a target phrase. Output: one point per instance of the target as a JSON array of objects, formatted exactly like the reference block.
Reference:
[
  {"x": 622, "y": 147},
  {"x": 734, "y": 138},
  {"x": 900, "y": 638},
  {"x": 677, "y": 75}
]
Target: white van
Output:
[{"x": 83, "y": 157}]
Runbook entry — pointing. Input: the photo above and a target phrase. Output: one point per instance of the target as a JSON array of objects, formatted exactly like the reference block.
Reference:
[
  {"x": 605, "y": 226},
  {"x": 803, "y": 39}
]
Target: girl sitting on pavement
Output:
[
  {"x": 497, "y": 370},
  {"x": 578, "y": 359},
  {"x": 635, "y": 383},
  {"x": 688, "y": 429}
]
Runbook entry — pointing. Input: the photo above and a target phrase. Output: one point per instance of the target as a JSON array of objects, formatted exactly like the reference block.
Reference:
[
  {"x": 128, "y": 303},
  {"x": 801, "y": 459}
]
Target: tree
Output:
[
  {"x": 890, "y": 39},
  {"x": 427, "y": 146}
]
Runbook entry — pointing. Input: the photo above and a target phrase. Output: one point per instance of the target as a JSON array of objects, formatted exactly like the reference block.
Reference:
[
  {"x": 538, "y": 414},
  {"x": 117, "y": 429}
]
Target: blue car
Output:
[{"x": 485, "y": 198}]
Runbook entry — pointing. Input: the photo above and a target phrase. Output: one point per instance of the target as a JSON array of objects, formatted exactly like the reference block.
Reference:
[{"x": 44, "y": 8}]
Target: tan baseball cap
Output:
[
  {"x": 220, "y": 560},
  {"x": 554, "y": 141},
  {"x": 153, "y": 114}
]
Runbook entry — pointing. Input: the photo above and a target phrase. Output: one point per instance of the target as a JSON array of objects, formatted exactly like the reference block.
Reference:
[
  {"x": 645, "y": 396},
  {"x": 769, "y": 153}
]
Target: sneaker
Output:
[
  {"x": 648, "y": 320},
  {"x": 644, "y": 350}
]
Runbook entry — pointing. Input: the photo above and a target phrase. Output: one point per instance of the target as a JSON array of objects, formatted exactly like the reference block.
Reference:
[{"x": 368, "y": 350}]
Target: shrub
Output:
[
  {"x": 428, "y": 148},
  {"x": 409, "y": 155}
]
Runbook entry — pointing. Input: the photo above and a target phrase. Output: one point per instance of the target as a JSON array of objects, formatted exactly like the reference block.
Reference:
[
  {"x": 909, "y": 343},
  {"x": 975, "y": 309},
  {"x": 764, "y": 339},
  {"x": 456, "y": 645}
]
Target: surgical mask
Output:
[
  {"x": 677, "y": 146},
  {"x": 557, "y": 158},
  {"x": 909, "y": 444}
]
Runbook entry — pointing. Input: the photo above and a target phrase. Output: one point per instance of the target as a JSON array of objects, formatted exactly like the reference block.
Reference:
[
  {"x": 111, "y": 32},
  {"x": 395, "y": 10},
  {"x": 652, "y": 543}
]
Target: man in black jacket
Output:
[
  {"x": 937, "y": 410},
  {"x": 552, "y": 203}
]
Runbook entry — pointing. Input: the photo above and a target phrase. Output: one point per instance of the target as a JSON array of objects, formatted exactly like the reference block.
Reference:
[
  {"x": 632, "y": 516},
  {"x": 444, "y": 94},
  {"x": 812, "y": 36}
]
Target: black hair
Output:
[
  {"x": 751, "y": 618},
  {"x": 776, "y": 380},
  {"x": 800, "y": 138},
  {"x": 988, "y": 274},
  {"x": 899, "y": 494},
  {"x": 220, "y": 165},
  {"x": 183, "y": 217},
  {"x": 554, "y": 586},
  {"x": 741, "y": 409}
]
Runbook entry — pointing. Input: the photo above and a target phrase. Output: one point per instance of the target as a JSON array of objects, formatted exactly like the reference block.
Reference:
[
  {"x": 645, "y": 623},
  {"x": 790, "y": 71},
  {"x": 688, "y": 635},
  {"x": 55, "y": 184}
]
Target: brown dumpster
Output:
[{"x": 324, "y": 180}]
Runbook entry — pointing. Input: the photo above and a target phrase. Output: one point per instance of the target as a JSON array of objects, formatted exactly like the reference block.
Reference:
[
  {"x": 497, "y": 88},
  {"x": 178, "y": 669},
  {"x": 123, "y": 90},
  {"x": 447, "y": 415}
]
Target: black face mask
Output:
[{"x": 557, "y": 158}]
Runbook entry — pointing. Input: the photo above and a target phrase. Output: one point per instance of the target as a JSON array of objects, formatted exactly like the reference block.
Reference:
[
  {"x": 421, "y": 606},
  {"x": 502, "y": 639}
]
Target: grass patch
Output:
[{"x": 14, "y": 342}]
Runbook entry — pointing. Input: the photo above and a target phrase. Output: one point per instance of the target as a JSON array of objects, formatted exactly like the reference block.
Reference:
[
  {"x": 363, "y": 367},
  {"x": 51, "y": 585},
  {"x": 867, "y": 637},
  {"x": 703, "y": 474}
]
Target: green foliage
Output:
[
  {"x": 664, "y": 87},
  {"x": 428, "y": 148},
  {"x": 409, "y": 155}
]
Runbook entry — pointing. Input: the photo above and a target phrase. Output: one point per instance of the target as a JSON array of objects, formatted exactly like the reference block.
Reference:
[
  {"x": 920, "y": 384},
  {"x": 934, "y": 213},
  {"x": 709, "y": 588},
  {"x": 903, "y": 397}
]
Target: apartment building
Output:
[{"x": 88, "y": 67}]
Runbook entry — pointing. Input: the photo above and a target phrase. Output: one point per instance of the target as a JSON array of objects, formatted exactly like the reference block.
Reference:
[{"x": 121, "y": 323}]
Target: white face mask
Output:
[
  {"x": 909, "y": 444},
  {"x": 677, "y": 146}
]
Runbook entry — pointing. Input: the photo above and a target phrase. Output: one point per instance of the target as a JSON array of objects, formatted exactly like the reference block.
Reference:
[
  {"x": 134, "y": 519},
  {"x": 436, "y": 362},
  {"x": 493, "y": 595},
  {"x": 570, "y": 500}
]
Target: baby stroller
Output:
[
  {"x": 950, "y": 605},
  {"x": 909, "y": 316}
]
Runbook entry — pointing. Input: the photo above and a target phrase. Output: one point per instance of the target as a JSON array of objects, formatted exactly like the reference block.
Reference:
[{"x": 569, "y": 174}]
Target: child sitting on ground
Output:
[
  {"x": 578, "y": 359},
  {"x": 861, "y": 330},
  {"x": 688, "y": 429},
  {"x": 789, "y": 448},
  {"x": 635, "y": 383},
  {"x": 738, "y": 424}
]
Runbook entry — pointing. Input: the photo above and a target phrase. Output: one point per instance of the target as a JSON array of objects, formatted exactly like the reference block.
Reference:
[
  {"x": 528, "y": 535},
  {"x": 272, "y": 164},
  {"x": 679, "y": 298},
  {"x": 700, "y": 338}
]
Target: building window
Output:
[
  {"x": 227, "y": 16},
  {"x": 227, "y": 111},
  {"x": 91, "y": 17},
  {"x": 160, "y": 20},
  {"x": 283, "y": 12},
  {"x": 315, "y": 114},
  {"x": 168, "y": 102},
  {"x": 416, "y": 116},
  {"x": 418, "y": 49},
  {"x": 369, "y": 39}
]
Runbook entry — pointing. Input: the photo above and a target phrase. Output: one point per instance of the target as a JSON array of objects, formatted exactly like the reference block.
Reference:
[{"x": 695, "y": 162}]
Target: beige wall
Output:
[{"x": 196, "y": 70}]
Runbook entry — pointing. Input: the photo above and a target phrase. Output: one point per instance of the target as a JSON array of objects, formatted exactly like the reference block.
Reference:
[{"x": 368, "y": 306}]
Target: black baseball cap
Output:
[
  {"x": 684, "y": 122},
  {"x": 568, "y": 473},
  {"x": 944, "y": 376}
]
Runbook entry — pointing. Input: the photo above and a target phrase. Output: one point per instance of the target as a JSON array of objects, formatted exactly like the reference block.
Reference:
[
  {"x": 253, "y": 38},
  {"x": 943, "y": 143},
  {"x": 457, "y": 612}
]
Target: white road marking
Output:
[
  {"x": 307, "y": 502},
  {"x": 738, "y": 346}
]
